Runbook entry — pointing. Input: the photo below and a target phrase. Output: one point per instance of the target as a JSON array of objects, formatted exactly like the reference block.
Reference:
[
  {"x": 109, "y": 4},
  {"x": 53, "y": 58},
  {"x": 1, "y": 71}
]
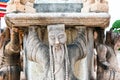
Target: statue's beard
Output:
[
  {"x": 57, "y": 48},
  {"x": 58, "y": 53}
]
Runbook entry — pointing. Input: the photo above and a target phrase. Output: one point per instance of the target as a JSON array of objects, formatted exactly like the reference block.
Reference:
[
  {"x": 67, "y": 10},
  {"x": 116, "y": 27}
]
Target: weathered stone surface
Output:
[
  {"x": 99, "y": 7},
  {"x": 88, "y": 19},
  {"x": 20, "y": 6},
  {"x": 58, "y": 1},
  {"x": 58, "y": 7},
  {"x": 95, "y": 6},
  {"x": 15, "y": 7}
]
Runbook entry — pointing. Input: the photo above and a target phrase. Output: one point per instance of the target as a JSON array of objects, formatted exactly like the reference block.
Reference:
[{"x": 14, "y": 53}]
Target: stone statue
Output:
[
  {"x": 10, "y": 67},
  {"x": 58, "y": 58},
  {"x": 107, "y": 60},
  {"x": 117, "y": 42}
]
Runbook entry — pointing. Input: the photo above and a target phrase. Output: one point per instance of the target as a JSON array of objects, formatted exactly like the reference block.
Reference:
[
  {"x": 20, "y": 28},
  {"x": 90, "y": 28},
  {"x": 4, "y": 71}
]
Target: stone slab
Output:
[{"x": 72, "y": 19}]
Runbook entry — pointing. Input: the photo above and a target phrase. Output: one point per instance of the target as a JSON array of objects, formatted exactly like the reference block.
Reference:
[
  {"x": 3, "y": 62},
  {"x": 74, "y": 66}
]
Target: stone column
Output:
[{"x": 90, "y": 55}]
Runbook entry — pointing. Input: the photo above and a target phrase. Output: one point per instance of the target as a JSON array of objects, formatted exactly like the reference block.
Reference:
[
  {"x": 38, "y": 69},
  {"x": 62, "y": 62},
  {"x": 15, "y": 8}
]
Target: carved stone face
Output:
[{"x": 56, "y": 35}]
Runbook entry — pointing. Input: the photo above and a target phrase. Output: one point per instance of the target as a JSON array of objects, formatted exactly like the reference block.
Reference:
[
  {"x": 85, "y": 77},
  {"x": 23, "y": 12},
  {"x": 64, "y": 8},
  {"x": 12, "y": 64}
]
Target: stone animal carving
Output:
[{"x": 58, "y": 58}]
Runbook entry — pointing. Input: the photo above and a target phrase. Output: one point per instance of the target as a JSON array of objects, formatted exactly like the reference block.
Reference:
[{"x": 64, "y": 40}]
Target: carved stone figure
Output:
[
  {"x": 107, "y": 60},
  {"x": 117, "y": 42},
  {"x": 21, "y": 6},
  {"x": 15, "y": 6},
  {"x": 58, "y": 58},
  {"x": 95, "y": 6},
  {"x": 99, "y": 6},
  {"x": 10, "y": 69},
  {"x": 87, "y": 5}
]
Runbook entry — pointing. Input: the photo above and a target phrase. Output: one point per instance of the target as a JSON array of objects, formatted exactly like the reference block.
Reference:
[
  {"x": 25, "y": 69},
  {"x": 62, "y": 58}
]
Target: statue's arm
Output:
[
  {"x": 103, "y": 56},
  {"x": 78, "y": 48},
  {"x": 36, "y": 50}
]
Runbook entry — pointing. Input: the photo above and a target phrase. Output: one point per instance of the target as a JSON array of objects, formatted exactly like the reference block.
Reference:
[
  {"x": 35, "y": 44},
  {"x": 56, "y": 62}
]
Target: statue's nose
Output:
[{"x": 57, "y": 41}]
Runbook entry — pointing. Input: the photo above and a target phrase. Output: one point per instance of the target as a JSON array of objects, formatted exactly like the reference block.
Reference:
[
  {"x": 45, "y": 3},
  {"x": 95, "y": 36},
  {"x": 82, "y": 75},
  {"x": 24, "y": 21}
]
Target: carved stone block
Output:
[
  {"x": 99, "y": 7},
  {"x": 95, "y": 6},
  {"x": 20, "y": 6},
  {"x": 15, "y": 7}
]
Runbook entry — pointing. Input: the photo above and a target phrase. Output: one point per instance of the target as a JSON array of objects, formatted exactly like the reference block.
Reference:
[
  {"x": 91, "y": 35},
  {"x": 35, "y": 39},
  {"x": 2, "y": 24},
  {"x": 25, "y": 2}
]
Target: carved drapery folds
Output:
[{"x": 107, "y": 63}]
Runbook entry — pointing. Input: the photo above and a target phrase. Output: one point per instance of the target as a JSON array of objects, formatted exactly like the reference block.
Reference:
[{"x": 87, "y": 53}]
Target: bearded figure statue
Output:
[{"x": 58, "y": 58}]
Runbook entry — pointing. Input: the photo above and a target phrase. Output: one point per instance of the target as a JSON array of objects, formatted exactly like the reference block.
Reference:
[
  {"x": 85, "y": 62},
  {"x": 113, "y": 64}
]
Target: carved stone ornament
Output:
[
  {"x": 95, "y": 6},
  {"x": 16, "y": 6}
]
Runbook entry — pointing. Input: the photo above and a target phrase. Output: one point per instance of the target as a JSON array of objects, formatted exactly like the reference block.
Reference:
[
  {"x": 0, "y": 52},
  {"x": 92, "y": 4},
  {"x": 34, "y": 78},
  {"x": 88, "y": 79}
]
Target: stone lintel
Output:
[{"x": 72, "y": 19}]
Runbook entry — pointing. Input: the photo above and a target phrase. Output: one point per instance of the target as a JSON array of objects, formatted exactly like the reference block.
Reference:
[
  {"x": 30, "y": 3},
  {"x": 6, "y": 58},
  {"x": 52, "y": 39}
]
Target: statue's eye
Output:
[
  {"x": 52, "y": 37},
  {"x": 61, "y": 36}
]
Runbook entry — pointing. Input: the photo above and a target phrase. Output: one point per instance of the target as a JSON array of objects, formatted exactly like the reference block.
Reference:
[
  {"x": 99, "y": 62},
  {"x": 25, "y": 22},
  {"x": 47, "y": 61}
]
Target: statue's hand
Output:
[
  {"x": 32, "y": 29},
  {"x": 81, "y": 30},
  {"x": 105, "y": 65}
]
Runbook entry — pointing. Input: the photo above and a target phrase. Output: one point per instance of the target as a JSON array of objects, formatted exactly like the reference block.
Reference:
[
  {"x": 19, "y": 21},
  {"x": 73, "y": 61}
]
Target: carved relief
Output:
[
  {"x": 107, "y": 60},
  {"x": 58, "y": 58},
  {"x": 25, "y": 6},
  {"x": 95, "y": 6}
]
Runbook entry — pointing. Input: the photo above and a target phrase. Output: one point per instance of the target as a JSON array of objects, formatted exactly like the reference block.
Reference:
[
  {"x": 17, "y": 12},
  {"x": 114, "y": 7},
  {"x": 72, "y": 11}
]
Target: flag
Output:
[{"x": 3, "y": 5}]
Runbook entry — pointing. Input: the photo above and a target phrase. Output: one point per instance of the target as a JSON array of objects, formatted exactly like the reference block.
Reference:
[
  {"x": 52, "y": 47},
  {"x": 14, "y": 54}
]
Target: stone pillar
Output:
[
  {"x": 83, "y": 69},
  {"x": 90, "y": 55}
]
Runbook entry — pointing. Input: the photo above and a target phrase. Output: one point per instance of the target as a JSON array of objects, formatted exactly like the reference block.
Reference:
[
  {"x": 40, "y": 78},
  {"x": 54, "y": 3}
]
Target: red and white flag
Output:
[{"x": 3, "y": 5}]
